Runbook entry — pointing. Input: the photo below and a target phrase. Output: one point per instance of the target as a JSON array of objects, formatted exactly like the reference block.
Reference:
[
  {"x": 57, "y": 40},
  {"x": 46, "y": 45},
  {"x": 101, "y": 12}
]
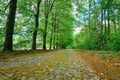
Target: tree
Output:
[
  {"x": 103, "y": 24},
  {"x": 36, "y": 25},
  {"x": 89, "y": 26},
  {"x": 8, "y": 44},
  {"x": 48, "y": 7}
]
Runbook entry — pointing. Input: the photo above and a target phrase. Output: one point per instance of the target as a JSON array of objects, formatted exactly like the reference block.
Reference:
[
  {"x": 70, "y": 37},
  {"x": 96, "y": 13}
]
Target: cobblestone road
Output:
[{"x": 56, "y": 65}]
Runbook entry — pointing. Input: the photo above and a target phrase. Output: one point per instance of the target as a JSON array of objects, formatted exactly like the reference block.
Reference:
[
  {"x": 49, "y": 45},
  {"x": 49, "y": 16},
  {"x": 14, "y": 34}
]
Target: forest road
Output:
[{"x": 56, "y": 65}]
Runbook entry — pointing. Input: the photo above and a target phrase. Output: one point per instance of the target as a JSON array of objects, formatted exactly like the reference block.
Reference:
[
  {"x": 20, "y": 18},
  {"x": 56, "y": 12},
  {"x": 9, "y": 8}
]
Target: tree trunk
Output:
[
  {"x": 85, "y": 24},
  {"x": 89, "y": 25},
  {"x": 48, "y": 7},
  {"x": 96, "y": 20},
  {"x": 105, "y": 28},
  {"x": 8, "y": 44},
  {"x": 102, "y": 13},
  {"x": 45, "y": 31},
  {"x": 54, "y": 38},
  {"x": 115, "y": 25},
  {"x": 100, "y": 38},
  {"x": 108, "y": 23},
  {"x": 36, "y": 25},
  {"x": 51, "y": 39},
  {"x": 54, "y": 30}
]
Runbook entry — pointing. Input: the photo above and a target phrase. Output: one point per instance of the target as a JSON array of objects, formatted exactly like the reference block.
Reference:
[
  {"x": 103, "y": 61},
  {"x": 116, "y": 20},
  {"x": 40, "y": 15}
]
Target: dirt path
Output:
[{"x": 58, "y": 65}]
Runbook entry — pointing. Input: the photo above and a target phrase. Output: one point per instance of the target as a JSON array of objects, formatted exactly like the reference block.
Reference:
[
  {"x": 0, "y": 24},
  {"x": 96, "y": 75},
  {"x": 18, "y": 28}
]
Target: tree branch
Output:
[
  {"x": 29, "y": 18},
  {"x": 7, "y": 7},
  {"x": 52, "y": 5}
]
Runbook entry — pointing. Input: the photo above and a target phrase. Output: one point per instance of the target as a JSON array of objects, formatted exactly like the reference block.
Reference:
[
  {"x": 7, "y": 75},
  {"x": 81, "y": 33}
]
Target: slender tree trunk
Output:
[
  {"x": 45, "y": 31},
  {"x": 36, "y": 25},
  {"x": 101, "y": 39},
  {"x": 54, "y": 42},
  {"x": 57, "y": 29},
  {"x": 8, "y": 44},
  {"x": 102, "y": 21},
  {"x": 108, "y": 23},
  {"x": 105, "y": 28},
  {"x": 89, "y": 25},
  {"x": 54, "y": 38},
  {"x": 114, "y": 21},
  {"x": 51, "y": 39},
  {"x": 48, "y": 7},
  {"x": 96, "y": 24},
  {"x": 85, "y": 24}
]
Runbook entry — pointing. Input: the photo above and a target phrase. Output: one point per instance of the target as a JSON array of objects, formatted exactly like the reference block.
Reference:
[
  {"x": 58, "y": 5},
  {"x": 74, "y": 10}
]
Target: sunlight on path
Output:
[{"x": 59, "y": 65}]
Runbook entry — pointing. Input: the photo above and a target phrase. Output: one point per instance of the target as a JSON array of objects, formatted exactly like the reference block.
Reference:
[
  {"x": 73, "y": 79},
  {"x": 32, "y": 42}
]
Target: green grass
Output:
[
  {"x": 103, "y": 57},
  {"x": 111, "y": 53},
  {"x": 101, "y": 52}
]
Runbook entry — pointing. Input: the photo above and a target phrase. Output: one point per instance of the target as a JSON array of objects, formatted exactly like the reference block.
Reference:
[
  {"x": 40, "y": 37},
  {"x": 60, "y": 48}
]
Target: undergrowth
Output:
[{"x": 111, "y": 53}]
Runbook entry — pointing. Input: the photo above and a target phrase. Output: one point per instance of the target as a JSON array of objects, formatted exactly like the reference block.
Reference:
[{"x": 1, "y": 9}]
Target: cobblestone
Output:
[{"x": 59, "y": 65}]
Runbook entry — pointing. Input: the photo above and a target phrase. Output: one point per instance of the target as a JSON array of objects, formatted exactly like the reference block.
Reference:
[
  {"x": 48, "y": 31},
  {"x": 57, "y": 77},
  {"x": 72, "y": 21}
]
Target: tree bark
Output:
[
  {"x": 54, "y": 30},
  {"x": 115, "y": 25},
  {"x": 108, "y": 14},
  {"x": 105, "y": 28},
  {"x": 101, "y": 35},
  {"x": 57, "y": 28},
  {"x": 45, "y": 31},
  {"x": 89, "y": 25},
  {"x": 48, "y": 8},
  {"x": 108, "y": 17},
  {"x": 36, "y": 25},
  {"x": 54, "y": 38},
  {"x": 8, "y": 44},
  {"x": 51, "y": 39},
  {"x": 96, "y": 20}
]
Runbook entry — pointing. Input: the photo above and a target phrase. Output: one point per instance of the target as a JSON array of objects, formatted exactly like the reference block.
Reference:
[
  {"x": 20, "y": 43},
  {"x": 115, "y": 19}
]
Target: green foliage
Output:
[
  {"x": 101, "y": 52},
  {"x": 114, "y": 41},
  {"x": 111, "y": 53},
  {"x": 89, "y": 36},
  {"x": 95, "y": 33},
  {"x": 103, "y": 57},
  {"x": 25, "y": 22}
]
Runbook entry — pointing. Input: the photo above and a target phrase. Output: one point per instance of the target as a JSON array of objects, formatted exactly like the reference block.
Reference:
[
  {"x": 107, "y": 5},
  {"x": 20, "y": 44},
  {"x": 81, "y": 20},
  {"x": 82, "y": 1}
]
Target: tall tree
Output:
[
  {"x": 89, "y": 26},
  {"x": 48, "y": 7},
  {"x": 36, "y": 25},
  {"x": 51, "y": 35},
  {"x": 8, "y": 44},
  {"x": 54, "y": 28}
]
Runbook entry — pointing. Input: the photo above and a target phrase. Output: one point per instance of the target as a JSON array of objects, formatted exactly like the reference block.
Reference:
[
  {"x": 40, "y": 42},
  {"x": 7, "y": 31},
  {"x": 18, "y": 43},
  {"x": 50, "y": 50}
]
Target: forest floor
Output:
[
  {"x": 58, "y": 65},
  {"x": 107, "y": 66}
]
